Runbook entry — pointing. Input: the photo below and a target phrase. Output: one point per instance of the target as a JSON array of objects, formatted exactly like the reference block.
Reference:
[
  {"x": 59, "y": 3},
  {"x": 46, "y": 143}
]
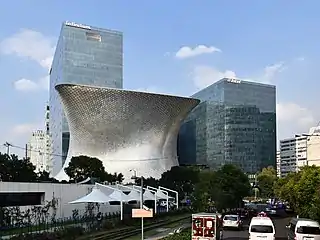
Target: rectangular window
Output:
[{"x": 93, "y": 36}]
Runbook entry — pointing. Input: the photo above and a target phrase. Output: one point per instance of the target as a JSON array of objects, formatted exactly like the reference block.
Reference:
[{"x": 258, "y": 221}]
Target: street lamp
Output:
[{"x": 141, "y": 198}]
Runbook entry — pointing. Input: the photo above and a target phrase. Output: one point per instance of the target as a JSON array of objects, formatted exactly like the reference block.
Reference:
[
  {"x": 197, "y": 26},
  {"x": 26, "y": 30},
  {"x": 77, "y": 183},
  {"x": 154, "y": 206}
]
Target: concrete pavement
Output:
[{"x": 280, "y": 225}]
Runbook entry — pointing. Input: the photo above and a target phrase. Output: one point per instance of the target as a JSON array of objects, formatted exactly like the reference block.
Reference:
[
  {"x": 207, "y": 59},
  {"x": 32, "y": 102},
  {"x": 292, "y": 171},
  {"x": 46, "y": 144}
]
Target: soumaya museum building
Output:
[{"x": 124, "y": 129}]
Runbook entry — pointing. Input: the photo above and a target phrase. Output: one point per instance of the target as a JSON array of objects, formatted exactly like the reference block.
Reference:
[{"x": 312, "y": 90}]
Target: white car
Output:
[
  {"x": 303, "y": 229},
  {"x": 261, "y": 228},
  {"x": 232, "y": 221}
]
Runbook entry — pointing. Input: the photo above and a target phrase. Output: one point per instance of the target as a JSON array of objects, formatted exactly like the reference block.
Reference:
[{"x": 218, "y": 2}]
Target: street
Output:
[{"x": 280, "y": 225}]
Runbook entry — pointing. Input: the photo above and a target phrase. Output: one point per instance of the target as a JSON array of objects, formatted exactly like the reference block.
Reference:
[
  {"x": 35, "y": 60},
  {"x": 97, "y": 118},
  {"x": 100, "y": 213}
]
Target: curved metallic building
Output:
[{"x": 126, "y": 130}]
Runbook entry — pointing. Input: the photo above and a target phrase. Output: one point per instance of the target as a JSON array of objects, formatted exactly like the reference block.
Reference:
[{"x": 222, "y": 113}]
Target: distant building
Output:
[
  {"x": 39, "y": 149},
  {"x": 313, "y": 147},
  {"x": 293, "y": 154},
  {"x": 84, "y": 55},
  {"x": 234, "y": 123},
  {"x": 36, "y": 151}
]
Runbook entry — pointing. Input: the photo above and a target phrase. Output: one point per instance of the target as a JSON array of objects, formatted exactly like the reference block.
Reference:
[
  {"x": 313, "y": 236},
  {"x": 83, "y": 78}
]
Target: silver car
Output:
[{"x": 232, "y": 221}]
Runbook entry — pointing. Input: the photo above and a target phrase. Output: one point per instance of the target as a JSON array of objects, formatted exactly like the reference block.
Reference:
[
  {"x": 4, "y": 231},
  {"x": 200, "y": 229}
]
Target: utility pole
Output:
[
  {"x": 141, "y": 206},
  {"x": 26, "y": 156},
  {"x": 141, "y": 199},
  {"x": 255, "y": 184},
  {"x": 8, "y": 145}
]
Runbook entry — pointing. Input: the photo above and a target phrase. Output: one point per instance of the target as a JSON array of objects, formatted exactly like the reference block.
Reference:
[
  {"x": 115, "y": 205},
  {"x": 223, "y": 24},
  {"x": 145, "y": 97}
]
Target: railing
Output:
[{"x": 78, "y": 225}]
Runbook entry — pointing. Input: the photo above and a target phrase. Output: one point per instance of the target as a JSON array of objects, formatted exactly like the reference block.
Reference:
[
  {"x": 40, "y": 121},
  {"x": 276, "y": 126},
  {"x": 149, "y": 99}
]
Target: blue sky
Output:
[{"x": 265, "y": 41}]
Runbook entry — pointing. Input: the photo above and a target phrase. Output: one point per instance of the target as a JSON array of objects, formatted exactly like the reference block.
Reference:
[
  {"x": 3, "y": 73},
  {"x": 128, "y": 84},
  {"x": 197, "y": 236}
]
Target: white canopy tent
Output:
[
  {"x": 147, "y": 195},
  {"x": 115, "y": 194},
  {"x": 95, "y": 196},
  {"x": 134, "y": 196},
  {"x": 163, "y": 194}
]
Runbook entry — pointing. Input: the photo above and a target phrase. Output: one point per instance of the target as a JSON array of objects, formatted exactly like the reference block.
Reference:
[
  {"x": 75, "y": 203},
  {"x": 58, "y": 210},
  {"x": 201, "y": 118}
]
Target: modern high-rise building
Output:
[
  {"x": 36, "y": 151},
  {"x": 84, "y": 55},
  {"x": 234, "y": 123},
  {"x": 39, "y": 149},
  {"x": 293, "y": 154}
]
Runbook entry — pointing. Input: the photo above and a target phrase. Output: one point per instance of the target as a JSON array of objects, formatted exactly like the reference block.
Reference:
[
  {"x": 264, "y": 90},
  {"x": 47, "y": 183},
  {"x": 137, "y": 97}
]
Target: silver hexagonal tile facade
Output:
[{"x": 126, "y": 130}]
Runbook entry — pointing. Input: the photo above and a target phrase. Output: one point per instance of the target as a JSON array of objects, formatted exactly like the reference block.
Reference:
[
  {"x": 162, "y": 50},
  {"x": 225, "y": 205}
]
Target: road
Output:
[{"x": 280, "y": 225}]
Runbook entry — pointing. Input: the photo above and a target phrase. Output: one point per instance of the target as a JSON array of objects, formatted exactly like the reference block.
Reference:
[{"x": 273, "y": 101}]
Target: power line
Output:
[{"x": 115, "y": 160}]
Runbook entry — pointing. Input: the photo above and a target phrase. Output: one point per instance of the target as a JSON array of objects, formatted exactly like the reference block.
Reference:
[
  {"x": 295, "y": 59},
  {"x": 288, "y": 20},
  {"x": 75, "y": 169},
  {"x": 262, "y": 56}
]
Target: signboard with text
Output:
[{"x": 142, "y": 213}]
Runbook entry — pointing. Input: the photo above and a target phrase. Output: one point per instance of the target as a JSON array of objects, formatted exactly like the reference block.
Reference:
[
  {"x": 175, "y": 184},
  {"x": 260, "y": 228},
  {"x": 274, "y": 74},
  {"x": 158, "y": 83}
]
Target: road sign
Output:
[{"x": 142, "y": 213}]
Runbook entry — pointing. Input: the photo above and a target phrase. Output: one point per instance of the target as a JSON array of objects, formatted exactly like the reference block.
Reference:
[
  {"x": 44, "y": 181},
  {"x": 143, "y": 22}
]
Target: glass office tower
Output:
[
  {"x": 84, "y": 55},
  {"x": 235, "y": 123}
]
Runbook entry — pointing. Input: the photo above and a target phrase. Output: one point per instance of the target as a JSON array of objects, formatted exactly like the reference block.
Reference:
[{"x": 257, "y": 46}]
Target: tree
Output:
[
  {"x": 45, "y": 177},
  {"x": 302, "y": 191},
  {"x": 152, "y": 182},
  {"x": 16, "y": 170},
  {"x": 180, "y": 179},
  {"x": 266, "y": 180},
  {"x": 203, "y": 191},
  {"x": 114, "y": 178},
  {"x": 82, "y": 167},
  {"x": 231, "y": 185}
]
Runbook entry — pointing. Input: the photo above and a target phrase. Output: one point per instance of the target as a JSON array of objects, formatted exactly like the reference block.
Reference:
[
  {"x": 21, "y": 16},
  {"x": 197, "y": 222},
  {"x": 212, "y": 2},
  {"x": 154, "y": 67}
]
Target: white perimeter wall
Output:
[{"x": 64, "y": 193}]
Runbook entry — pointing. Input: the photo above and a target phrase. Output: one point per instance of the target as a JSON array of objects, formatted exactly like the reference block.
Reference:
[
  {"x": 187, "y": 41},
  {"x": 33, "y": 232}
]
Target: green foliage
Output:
[
  {"x": 302, "y": 191},
  {"x": 231, "y": 186},
  {"x": 82, "y": 167},
  {"x": 203, "y": 191},
  {"x": 13, "y": 169},
  {"x": 222, "y": 189},
  {"x": 152, "y": 182},
  {"x": 266, "y": 180},
  {"x": 181, "y": 179}
]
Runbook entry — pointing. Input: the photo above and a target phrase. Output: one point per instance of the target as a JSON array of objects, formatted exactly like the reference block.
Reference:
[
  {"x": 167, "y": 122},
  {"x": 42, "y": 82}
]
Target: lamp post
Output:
[{"x": 141, "y": 199}]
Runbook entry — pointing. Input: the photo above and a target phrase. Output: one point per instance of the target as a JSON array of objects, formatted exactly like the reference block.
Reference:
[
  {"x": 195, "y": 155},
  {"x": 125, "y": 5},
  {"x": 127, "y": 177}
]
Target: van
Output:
[
  {"x": 303, "y": 229},
  {"x": 261, "y": 228}
]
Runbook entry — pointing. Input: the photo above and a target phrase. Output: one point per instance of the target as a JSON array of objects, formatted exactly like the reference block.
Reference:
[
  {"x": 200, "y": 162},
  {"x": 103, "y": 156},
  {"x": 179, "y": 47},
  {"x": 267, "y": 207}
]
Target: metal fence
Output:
[
  {"x": 10, "y": 228},
  {"x": 70, "y": 227}
]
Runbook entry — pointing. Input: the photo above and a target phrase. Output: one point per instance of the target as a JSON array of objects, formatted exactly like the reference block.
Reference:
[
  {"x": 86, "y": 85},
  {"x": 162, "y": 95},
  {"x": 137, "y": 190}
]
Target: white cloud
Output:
[
  {"x": 270, "y": 71},
  {"x": 204, "y": 76},
  {"x": 30, "y": 44},
  {"x": 300, "y": 59},
  {"x": 26, "y": 85},
  {"x": 293, "y": 119},
  {"x": 187, "y": 52},
  {"x": 24, "y": 129},
  {"x": 298, "y": 115},
  {"x": 18, "y": 135}
]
